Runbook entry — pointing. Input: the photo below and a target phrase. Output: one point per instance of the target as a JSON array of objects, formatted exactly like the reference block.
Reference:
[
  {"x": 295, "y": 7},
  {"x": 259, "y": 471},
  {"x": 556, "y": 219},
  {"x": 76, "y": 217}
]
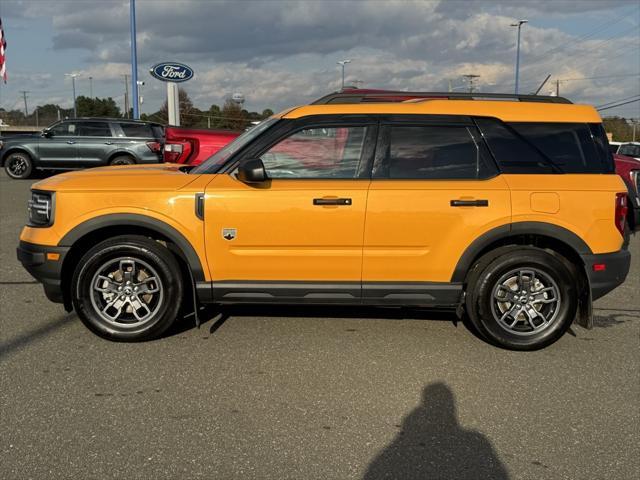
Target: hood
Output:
[
  {"x": 18, "y": 136},
  {"x": 158, "y": 177}
]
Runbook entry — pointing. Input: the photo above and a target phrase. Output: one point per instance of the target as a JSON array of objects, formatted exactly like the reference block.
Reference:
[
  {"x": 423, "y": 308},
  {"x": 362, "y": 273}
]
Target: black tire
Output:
[
  {"x": 487, "y": 314},
  {"x": 151, "y": 261},
  {"x": 18, "y": 165},
  {"x": 122, "y": 160}
]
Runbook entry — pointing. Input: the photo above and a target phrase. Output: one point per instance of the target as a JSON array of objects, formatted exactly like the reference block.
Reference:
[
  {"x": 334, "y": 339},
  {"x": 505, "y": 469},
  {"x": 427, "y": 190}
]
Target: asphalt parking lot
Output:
[{"x": 310, "y": 393}]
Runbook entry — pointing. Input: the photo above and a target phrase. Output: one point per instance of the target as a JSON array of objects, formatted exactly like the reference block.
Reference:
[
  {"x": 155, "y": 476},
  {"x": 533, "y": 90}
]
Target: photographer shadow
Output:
[{"x": 433, "y": 445}]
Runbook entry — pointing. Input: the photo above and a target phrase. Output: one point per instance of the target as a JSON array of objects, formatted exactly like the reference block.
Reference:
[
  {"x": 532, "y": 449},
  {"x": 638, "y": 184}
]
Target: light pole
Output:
[
  {"x": 134, "y": 60},
  {"x": 518, "y": 24},
  {"x": 140, "y": 98},
  {"x": 73, "y": 83},
  {"x": 91, "y": 87},
  {"x": 342, "y": 63}
]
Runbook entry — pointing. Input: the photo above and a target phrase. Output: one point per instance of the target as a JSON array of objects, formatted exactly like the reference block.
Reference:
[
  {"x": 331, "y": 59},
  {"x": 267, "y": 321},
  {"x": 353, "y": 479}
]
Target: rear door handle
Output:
[
  {"x": 469, "y": 203},
  {"x": 332, "y": 201},
  {"x": 108, "y": 143},
  {"x": 70, "y": 142}
]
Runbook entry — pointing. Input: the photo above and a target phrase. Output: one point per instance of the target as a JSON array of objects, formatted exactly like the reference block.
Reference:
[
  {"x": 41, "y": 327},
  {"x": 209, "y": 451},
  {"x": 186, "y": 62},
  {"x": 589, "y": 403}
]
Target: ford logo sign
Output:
[{"x": 171, "y": 72}]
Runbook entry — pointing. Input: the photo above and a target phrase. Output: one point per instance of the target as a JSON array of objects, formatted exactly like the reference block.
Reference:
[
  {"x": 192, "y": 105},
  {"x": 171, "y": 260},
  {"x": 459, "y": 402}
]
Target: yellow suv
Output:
[{"x": 506, "y": 209}]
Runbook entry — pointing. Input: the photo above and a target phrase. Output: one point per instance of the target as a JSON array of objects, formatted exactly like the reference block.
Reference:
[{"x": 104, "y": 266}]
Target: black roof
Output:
[{"x": 373, "y": 96}]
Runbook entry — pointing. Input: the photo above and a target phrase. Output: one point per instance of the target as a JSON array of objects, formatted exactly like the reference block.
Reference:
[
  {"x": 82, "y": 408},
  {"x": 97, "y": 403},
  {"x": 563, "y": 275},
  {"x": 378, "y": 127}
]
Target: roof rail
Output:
[{"x": 381, "y": 96}]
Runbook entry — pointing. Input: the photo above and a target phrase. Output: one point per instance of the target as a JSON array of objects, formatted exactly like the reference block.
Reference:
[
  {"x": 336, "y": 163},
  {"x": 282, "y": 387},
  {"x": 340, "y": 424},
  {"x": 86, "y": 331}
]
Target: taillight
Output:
[
  {"x": 172, "y": 152},
  {"x": 155, "y": 147},
  {"x": 621, "y": 212}
]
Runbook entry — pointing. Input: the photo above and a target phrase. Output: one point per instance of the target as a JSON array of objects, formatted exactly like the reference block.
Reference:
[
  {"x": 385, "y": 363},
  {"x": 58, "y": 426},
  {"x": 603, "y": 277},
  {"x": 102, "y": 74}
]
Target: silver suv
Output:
[{"x": 80, "y": 143}]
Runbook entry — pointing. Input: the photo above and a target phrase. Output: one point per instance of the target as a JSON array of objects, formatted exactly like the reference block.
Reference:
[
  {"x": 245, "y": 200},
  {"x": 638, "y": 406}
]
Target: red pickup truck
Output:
[{"x": 193, "y": 146}]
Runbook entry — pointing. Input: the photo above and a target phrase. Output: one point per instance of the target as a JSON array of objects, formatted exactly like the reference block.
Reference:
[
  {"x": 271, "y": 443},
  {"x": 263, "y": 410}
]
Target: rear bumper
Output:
[
  {"x": 616, "y": 268},
  {"x": 36, "y": 259}
]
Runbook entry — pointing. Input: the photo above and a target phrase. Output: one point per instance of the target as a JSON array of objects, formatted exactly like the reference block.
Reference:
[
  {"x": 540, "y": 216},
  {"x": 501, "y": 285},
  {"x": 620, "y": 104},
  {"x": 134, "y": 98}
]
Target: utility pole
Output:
[
  {"x": 126, "y": 96},
  {"x": 37, "y": 120},
  {"x": 91, "y": 87},
  {"x": 342, "y": 63},
  {"x": 518, "y": 24},
  {"x": 73, "y": 83},
  {"x": 134, "y": 61},
  {"x": 557, "y": 87},
  {"x": 471, "y": 78},
  {"x": 24, "y": 96},
  {"x": 450, "y": 85}
]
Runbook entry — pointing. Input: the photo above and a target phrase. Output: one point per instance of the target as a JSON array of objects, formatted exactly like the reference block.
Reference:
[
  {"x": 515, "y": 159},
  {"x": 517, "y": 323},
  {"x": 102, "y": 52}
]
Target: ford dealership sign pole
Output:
[{"x": 172, "y": 73}]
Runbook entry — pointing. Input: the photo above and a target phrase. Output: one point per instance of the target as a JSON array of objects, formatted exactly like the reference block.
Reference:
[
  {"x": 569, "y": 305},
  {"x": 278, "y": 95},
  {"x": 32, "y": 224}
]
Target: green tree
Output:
[
  {"x": 232, "y": 116},
  {"x": 266, "y": 113},
  {"x": 190, "y": 116},
  {"x": 97, "y": 107},
  {"x": 620, "y": 128}
]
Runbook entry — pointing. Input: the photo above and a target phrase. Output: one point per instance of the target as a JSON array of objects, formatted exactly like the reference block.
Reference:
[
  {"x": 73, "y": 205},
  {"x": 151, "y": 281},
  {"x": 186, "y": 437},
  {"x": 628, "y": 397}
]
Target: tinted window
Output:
[
  {"x": 137, "y": 130},
  {"x": 64, "y": 129},
  {"x": 432, "y": 152},
  {"x": 630, "y": 150},
  {"x": 511, "y": 151},
  {"x": 568, "y": 145},
  {"x": 93, "y": 129},
  {"x": 326, "y": 152},
  {"x": 602, "y": 146}
]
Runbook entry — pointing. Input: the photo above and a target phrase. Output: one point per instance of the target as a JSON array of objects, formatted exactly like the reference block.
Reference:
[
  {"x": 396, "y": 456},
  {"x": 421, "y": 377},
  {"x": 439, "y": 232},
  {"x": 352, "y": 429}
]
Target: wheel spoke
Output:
[
  {"x": 140, "y": 309},
  {"x": 105, "y": 285},
  {"x": 148, "y": 285},
  {"x": 116, "y": 305},
  {"x": 507, "y": 294},
  {"x": 128, "y": 269}
]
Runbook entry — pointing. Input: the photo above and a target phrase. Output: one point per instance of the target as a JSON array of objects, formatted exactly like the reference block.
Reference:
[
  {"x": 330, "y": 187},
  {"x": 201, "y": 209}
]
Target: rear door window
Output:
[
  {"x": 434, "y": 152},
  {"x": 93, "y": 129},
  {"x": 137, "y": 130}
]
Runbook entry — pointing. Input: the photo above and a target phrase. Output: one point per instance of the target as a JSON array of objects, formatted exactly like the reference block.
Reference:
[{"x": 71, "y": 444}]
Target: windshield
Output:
[
  {"x": 214, "y": 162},
  {"x": 630, "y": 149}
]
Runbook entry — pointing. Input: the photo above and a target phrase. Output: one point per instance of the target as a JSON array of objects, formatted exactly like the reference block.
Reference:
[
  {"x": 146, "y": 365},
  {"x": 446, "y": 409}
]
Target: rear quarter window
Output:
[
  {"x": 570, "y": 146},
  {"x": 536, "y": 148}
]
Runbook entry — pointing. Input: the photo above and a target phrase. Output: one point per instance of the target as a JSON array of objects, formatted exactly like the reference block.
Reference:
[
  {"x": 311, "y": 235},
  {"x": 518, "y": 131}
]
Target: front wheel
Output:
[
  {"x": 525, "y": 299},
  {"x": 18, "y": 165},
  {"x": 127, "y": 288}
]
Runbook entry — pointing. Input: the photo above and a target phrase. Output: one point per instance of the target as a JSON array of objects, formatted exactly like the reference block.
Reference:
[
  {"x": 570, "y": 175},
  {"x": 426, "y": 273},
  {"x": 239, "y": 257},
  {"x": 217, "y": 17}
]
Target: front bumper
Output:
[
  {"x": 44, "y": 263},
  {"x": 616, "y": 268}
]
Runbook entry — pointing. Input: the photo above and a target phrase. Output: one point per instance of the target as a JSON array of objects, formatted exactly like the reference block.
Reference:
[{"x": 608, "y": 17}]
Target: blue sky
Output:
[{"x": 282, "y": 53}]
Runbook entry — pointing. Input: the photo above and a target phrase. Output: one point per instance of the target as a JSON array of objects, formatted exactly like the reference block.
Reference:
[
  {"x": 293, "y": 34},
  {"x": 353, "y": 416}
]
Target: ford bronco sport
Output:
[{"x": 508, "y": 211}]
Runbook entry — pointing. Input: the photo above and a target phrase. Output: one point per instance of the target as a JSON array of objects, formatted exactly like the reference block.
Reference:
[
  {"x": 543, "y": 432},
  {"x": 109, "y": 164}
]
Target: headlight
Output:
[
  {"x": 41, "y": 206},
  {"x": 1, "y": 144}
]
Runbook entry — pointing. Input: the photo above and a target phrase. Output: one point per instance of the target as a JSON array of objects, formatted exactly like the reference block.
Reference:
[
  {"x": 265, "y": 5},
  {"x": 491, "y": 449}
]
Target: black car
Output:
[{"x": 80, "y": 143}]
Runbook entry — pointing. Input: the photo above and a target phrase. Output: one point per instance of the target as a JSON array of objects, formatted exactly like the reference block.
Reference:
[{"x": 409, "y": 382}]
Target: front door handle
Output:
[
  {"x": 332, "y": 201},
  {"x": 108, "y": 143},
  {"x": 469, "y": 203},
  {"x": 70, "y": 142}
]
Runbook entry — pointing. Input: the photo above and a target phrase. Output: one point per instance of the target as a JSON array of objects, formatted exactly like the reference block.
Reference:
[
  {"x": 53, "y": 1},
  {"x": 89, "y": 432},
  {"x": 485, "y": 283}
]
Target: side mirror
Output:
[
  {"x": 47, "y": 133},
  {"x": 252, "y": 171}
]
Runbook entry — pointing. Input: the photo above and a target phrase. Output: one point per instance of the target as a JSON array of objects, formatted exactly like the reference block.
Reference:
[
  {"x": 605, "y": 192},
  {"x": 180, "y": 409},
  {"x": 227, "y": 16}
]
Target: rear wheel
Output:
[
  {"x": 525, "y": 299},
  {"x": 18, "y": 165},
  {"x": 122, "y": 160},
  {"x": 127, "y": 288}
]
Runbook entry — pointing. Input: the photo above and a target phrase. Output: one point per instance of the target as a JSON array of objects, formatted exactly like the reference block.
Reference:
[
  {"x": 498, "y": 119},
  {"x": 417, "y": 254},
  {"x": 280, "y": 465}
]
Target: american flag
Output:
[{"x": 3, "y": 47}]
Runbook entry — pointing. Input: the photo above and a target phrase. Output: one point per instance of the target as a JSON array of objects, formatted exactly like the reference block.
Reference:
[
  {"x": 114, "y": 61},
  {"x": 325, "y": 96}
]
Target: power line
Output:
[
  {"x": 619, "y": 104},
  {"x": 616, "y": 101}
]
